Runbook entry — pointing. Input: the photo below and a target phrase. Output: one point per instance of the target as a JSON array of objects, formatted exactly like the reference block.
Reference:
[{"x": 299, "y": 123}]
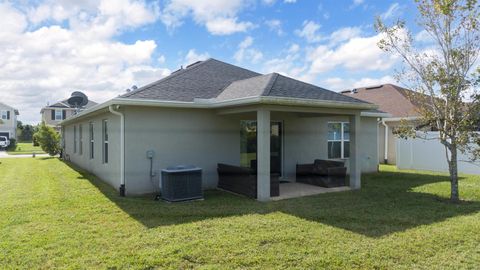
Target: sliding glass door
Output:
[{"x": 248, "y": 145}]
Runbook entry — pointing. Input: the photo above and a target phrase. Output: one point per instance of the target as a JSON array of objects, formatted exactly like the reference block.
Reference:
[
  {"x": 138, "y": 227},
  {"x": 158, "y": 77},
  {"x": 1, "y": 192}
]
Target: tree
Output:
[
  {"x": 49, "y": 139},
  {"x": 26, "y": 134},
  {"x": 442, "y": 74}
]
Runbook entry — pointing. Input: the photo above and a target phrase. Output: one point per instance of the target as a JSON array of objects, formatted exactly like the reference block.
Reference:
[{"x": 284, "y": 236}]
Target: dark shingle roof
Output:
[
  {"x": 288, "y": 87},
  {"x": 251, "y": 87},
  {"x": 276, "y": 85},
  {"x": 213, "y": 79},
  {"x": 203, "y": 80}
]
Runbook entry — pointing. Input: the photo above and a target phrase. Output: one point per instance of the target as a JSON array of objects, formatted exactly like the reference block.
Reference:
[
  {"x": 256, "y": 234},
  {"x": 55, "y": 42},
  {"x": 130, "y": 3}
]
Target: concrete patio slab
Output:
[{"x": 295, "y": 190}]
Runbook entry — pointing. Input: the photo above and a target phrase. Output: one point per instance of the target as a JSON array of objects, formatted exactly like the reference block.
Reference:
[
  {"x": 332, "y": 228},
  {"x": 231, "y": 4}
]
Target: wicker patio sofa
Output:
[
  {"x": 243, "y": 180},
  {"x": 324, "y": 173}
]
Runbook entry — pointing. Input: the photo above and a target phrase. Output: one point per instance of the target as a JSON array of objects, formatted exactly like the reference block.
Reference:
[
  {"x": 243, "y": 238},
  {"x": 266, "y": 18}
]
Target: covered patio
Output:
[{"x": 300, "y": 134}]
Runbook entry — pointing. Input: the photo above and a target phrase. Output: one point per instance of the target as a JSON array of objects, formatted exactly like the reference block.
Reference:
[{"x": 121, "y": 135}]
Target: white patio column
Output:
[
  {"x": 355, "y": 162},
  {"x": 263, "y": 155}
]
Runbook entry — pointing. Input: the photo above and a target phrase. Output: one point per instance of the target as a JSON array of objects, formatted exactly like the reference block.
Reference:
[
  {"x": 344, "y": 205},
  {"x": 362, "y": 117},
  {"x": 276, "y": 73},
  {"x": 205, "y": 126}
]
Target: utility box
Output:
[{"x": 182, "y": 183}]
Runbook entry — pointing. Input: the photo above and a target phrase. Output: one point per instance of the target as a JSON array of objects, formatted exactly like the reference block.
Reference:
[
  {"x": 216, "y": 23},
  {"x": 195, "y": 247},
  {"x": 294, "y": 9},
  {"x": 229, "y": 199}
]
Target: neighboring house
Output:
[
  {"x": 207, "y": 114},
  {"x": 8, "y": 121},
  {"x": 395, "y": 101},
  {"x": 52, "y": 115}
]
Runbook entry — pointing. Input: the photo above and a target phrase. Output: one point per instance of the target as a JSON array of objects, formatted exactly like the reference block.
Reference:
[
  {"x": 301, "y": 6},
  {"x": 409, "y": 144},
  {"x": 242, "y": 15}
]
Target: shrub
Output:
[
  {"x": 13, "y": 145},
  {"x": 49, "y": 139},
  {"x": 35, "y": 140}
]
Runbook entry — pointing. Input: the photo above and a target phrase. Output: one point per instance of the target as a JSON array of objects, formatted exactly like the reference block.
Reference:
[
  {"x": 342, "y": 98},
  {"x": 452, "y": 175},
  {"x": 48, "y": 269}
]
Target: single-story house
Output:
[
  {"x": 397, "y": 102},
  {"x": 8, "y": 121},
  {"x": 204, "y": 114}
]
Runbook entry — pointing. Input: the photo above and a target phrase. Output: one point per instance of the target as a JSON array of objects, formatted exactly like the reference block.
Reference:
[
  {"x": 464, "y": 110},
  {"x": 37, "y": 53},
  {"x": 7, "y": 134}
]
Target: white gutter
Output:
[
  {"x": 214, "y": 104},
  {"x": 375, "y": 114},
  {"x": 122, "y": 148},
  {"x": 408, "y": 118},
  {"x": 385, "y": 157}
]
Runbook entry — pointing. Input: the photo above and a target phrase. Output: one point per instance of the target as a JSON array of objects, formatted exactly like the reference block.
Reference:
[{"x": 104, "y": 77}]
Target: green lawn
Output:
[
  {"x": 26, "y": 148},
  {"x": 52, "y": 216}
]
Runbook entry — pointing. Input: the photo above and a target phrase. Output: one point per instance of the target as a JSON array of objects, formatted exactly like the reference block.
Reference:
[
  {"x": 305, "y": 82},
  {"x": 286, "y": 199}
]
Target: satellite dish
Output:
[{"x": 78, "y": 99}]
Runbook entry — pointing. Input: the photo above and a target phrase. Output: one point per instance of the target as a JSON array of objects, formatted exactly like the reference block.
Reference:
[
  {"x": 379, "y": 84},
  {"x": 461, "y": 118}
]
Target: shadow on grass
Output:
[{"x": 385, "y": 205}]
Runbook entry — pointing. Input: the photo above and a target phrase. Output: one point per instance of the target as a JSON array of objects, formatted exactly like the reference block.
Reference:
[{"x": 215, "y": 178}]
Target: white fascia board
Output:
[
  {"x": 215, "y": 104},
  {"x": 395, "y": 119},
  {"x": 375, "y": 114}
]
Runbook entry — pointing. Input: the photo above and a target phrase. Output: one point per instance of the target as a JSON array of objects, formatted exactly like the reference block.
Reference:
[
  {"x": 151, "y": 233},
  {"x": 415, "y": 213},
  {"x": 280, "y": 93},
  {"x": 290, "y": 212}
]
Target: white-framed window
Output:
[
  {"x": 105, "y": 140},
  {"x": 4, "y": 115},
  {"x": 338, "y": 140},
  {"x": 80, "y": 142},
  {"x": 92, "y": 141},
  {"x": 58, "y": 115},
  {"x": 74, "y": 139}
]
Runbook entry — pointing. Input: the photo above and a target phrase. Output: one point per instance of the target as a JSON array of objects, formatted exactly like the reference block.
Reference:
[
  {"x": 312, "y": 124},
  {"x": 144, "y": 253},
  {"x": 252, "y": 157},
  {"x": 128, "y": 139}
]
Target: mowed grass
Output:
[
  {"x": 52, "y": 216},
  {"x": 25, "y": 148}
]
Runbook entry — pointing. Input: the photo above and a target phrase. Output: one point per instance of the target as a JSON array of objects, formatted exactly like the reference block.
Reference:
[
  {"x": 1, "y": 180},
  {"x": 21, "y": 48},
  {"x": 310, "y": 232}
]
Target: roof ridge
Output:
[
  {"x": 271, "y": 82},
  {"x": 321, "y": 88},
  {"x": 173, "y": 74}
]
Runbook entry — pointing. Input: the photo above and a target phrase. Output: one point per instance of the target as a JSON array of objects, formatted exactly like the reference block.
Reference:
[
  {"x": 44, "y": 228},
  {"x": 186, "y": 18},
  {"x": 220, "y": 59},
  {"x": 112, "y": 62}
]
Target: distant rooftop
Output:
[{"x": 390, "y": 98}]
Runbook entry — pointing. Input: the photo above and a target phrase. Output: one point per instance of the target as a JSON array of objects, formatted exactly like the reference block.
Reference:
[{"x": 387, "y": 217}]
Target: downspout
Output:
[
  {"x": 385, "y": 156},
  {"x": 122, "y": 148}
]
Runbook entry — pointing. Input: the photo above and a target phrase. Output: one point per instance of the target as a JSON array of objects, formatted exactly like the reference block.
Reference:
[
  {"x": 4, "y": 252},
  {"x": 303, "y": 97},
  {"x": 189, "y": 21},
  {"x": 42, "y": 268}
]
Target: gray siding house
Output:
[
  {"x": 8, "y": 121},
  {"x": 53, "y": 114},
  {"x": 204, "y": 114}
]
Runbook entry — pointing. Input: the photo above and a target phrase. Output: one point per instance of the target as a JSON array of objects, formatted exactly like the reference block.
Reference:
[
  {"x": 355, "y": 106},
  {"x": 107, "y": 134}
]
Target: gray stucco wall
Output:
[
  {"x": 202, "y": 138},
  {"x": 306, "y": 140},
  {"x": 109, "y": 172},
  {"x": 199, "y": 137}
]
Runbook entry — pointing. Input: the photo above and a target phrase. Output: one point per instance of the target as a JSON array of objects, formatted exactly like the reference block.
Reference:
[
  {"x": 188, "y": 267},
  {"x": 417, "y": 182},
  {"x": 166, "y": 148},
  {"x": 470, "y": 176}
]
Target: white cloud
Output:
[
  {"x": 161, "y": 59},
  {"x": 269, "y": 2},
  {"x": 290, "y": 1},
  {"x": 392, "y": 11},
  {"x": 423, "y": 37},
  {"x": 344, "y": 34},
  {"x": 340, "y": 84},
  {"x": 246, "y": 53},
  {"x": 13, "y": 21},
  {"x": 356, "y": 54},
  {"x": 309, "y": 31},
  {"x": 45, "y": 64},
  {"x": 226, "y": 26},
  {"x": 285, "y": 65},
  {"x": 275, "y": 26},
  {"x": 218, "y": 16},
  {"x": 356, "y": 3},
  {"x": 192, "y": 57},
  {"x": 294, "y": 48}
]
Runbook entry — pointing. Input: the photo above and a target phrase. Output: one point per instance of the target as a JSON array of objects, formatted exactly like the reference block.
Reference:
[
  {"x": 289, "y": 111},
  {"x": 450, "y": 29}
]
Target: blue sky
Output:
[{"x": 51, "y": 48}]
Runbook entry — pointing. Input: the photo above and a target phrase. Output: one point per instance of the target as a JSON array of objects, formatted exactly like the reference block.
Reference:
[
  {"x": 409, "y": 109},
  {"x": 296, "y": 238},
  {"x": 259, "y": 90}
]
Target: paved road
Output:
[{"x": 3, "y": 154}]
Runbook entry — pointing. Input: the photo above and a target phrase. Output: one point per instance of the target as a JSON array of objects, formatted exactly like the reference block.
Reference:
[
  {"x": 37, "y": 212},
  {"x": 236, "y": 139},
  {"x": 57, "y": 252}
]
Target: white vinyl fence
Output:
[{"x": 427, "y": 153}]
